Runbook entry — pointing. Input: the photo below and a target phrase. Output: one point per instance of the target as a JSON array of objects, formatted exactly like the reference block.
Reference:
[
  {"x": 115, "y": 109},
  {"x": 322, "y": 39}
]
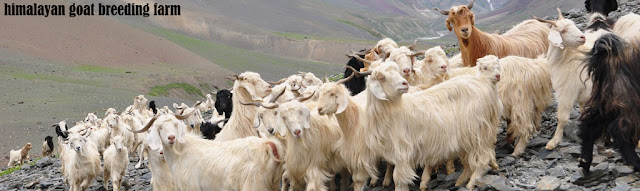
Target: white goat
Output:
[
  {"x": 249, "y": 163},
  {"x": 335, "y": 99},
  {"x": 116, "y": 160},
  {"x": 401, "y": 122},
  {"x": 628, "y": 26},
  {"x": 161, "y": 178},
  {"x": 81, "y": 162},
  {"x": 565, "y": 56},
  {"x": 120, "y": 127},
  {"x": 310, "y": 140},
  {"x": 248, "y": 87}
]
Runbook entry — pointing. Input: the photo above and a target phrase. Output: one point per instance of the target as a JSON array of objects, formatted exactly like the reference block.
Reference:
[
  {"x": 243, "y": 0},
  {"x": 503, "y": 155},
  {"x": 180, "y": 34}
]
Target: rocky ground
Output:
[{"x": 536, "y": 169}]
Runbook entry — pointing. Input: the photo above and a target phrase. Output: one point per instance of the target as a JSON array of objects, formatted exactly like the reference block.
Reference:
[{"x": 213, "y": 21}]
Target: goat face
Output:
[
  {"x": 463, "y": 21},
  {"x": 166, "y": 130},
  {"x": 253, "y": 85},
  {"x": 401, "y": 57},
  {"x": 310, "y": 79},
  {"x": 112, "y": 120},
  {"x": 223, "y": 101},
  {"x": 296, "y": 118},
  {"x": 332, "y": 99},
  {"x": 435, "y": 62},
  {"x": 117, "y": 142},
  {"x": 295, "y": 82},
  {"x": 489, "y": 66},
  {"x": 268, "y": 119},
  {"x": 566, "y": 34},
  {"x": 91, "y": 117},
  {"x": 77, "y": 143},
  {"x": 386, "y": 83}
]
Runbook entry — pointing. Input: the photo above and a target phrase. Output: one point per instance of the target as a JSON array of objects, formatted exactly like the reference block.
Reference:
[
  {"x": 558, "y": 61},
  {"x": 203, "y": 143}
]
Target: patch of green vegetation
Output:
[
  {"x": 10, "y": 170},
  {"x": 370, "y": 31},
  {"x": 296, "y": 36},
  {"x": 336, "y": 77},
  {"x": 19, "y": 73},
  {"x": 452, "y": 50},
  {"x": 163, "y": 90},
  {"x": 98, "y": 69}
]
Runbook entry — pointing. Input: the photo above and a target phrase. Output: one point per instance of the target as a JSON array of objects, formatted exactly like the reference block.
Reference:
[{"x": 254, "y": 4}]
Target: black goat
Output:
[
  {"x": 603, "y": 7},
  {"x": 223, "y": 103},
  {"x": 357, "y": 83},
  {"x": 152, "y": 105},
  {"x": 614, "y": 106},
  {"x": 210, "y": 130}
]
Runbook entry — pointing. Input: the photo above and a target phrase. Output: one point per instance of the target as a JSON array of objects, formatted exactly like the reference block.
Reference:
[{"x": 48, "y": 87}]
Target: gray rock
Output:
[
  {"x": 548, "y": 183},
  {"x": 538, "y": 142},
  {"x": 553, "y": 155},
  {"x": 43, "y": 162},
  {"x": 622, "y": 187},
  {"x": 506, "y": 161},
  {"x": 575, "y": 176},
  {"x": 557, "y": 172},
  {"x": 626, "y": 179},
  {"x": 598, "y": 159},
  {"x": 622, "y": 169},
  {"x": 601, "y": 166},
  {"x": 31, "y": 185}
]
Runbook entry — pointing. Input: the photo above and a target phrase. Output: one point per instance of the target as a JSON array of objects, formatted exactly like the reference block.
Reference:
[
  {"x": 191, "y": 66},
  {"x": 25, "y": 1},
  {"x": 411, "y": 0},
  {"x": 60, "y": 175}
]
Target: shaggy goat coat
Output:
[
  {"x": 423, "y": 128},
  {"x": 613, "y": 108}
]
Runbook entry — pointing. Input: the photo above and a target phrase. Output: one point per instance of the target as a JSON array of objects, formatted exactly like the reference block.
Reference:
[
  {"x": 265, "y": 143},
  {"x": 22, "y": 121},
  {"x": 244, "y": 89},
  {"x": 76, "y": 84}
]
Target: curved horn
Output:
[
  {"x": 358, "y": 72},
  {"x": 185, "y": 116},
  {"x": 441, "y": 11},
  {"x": 233, "y": 77},
  {"x": 553, "y": 23},
  {"x": 302, "y": 99},
  {"x": 343, "y": 80},
  {"x": 362, "y": 53},
  {"x": 361, "y": 59},
  {"x": 197, "y": 104},
  {"x": 220, "y": 121},
  {"x": 278, "y": 82},
  {"x": 559, "y": 13},
  {"x": 273, "y": 99},
  {"x": 470, "y": 5},
  {"x": 147, "y": 126},
  {"x": 412, "y": 46},
  {"x": 412, "y": 57},
  {"x": 257, "y": 104}
]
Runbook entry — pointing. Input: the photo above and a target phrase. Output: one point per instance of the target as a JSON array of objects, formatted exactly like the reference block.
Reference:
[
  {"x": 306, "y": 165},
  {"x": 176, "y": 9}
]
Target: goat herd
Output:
[{"x": 389, "y": 107}]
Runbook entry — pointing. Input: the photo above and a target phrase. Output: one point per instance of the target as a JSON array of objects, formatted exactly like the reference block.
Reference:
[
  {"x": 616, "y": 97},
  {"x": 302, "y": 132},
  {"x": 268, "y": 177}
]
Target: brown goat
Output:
[{"x": 527, "y": 39}]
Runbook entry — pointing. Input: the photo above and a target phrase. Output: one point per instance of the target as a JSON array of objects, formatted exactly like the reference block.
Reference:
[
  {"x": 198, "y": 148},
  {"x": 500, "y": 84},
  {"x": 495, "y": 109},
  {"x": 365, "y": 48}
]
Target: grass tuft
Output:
[
  {"x": 98, "y": 69},
  {"x": 164, "y": 90}
]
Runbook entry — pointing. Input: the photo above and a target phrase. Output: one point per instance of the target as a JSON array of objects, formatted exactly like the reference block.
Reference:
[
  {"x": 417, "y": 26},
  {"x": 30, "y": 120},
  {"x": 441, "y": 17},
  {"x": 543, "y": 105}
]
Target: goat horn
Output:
[
  {"x": 233, "y": 77},
  {"x": 412, "y": 57},
  {"x": 302, "y": 99},
  {"x": 553, "y": 23},
  {"x": 560, "y": 16},
  {"x": 273, "y": 100},
  {"x": 362, "y": 53},
  {"x": 220, "y": 121},
  {"x": 358, "y": 72},
  {"x": 271, "y": 106},
  {"x": 412, "y": 46},
  {"x": 361, "y": 59},
  {"x": 257, "y": 104},
  {"x": 185, "y": 116},
  {"x": 278, "y": 82},
  {"x": 471, "y": 4},
  {"x": 441, "y": 11},
  {"x": 343, "y": 80},
  {"x": 147, "y": 126},
  {"x": 197, "y": 104}
]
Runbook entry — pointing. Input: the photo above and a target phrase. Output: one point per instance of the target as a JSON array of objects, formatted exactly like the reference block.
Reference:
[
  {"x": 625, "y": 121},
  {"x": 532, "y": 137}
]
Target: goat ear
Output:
[
  {"x": 153, "y": 139},
  {"x": 448, "y": 23},
  {"x": 251, "y": 91},
  {"x": 256, "y": 121},
  {"x": 555, "y": 39},
  {"x": 182, "y": 128},
  {"x": 343, "y": 102},
  {"x": 306, "y": 118},
  {"x": 376, "y": 88}
]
